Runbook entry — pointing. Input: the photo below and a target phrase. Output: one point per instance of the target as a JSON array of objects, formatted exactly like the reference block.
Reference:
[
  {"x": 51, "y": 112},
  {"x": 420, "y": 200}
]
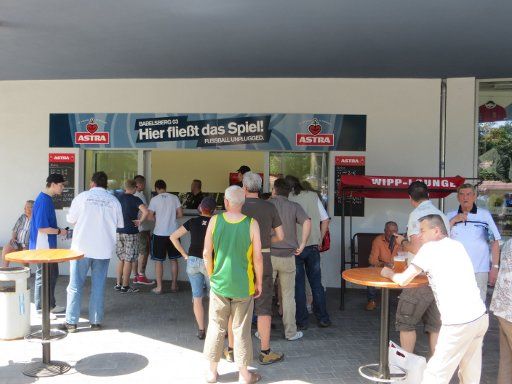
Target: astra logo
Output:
[
  {"x": 92, "y": 136},
  {"x": 314, "y": 137}
]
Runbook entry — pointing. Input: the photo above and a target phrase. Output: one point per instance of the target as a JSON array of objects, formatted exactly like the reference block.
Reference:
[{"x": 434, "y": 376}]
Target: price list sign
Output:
[
  {"x": 348, "y": 165},
  {"x": 63, "y": 164}
]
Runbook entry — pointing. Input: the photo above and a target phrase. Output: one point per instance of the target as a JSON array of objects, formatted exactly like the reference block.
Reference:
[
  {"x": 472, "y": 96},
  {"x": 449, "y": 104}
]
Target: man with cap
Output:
[{"x": 43, "y": 235}]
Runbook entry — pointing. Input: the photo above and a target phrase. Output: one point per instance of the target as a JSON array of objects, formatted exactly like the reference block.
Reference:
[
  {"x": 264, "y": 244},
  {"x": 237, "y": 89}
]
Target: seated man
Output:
[
  {"x": 463, "y": 315},
  {"x": 384, "y": 249}
]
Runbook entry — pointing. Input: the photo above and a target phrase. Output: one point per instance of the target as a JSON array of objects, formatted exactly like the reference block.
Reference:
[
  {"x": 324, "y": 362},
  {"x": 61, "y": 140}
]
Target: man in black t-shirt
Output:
[{"x": 127, "y": 247}]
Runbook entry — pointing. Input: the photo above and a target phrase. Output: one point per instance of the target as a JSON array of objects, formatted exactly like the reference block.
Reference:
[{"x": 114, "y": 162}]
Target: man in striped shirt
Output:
[{"x": 235, "y": 280}]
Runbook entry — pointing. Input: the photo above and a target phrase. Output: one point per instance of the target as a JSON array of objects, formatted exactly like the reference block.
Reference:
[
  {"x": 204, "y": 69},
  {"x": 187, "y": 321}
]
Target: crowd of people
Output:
[{"x": 240, "y": 256}]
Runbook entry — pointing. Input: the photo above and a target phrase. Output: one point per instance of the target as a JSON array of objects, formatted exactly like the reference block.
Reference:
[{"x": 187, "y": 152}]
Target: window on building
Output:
[{"x": 118, "y": 165}]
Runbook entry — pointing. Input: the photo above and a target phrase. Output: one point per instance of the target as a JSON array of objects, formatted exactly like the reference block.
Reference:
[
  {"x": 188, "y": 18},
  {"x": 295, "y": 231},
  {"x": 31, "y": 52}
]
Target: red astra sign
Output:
[
  {"x": 61, "y": 158},
  {"x": 354, "y": 161},
  {"x": 92, "y": 138}
]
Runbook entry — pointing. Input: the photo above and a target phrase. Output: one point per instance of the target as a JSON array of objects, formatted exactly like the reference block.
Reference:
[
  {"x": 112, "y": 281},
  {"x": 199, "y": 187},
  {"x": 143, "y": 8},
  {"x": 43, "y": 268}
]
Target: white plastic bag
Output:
[{"x": 413, "y": 364}]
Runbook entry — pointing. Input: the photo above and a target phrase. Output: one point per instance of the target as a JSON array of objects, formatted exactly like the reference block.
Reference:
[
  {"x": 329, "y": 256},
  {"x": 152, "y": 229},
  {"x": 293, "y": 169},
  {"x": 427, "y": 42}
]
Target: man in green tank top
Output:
[{"x": 235, "y": 280}]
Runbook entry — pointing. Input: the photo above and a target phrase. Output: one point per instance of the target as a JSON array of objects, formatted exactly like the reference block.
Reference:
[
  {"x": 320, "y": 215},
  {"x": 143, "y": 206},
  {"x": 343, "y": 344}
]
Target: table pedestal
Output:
[
  {"x": 46, "y": 368},
  {"x": 380, "y": 372}
]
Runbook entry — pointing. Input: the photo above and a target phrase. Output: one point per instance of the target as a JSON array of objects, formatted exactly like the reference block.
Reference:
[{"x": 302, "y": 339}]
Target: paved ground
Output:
[{"x": 152, "y": 338}]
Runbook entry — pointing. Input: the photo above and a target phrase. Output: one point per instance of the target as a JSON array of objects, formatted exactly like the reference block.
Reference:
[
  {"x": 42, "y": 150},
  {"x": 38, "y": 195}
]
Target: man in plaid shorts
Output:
[{"x": 127, "y": 248}]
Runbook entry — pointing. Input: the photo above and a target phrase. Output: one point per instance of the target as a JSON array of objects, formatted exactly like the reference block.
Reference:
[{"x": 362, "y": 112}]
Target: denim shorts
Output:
[{"x": 197, "y": 275}]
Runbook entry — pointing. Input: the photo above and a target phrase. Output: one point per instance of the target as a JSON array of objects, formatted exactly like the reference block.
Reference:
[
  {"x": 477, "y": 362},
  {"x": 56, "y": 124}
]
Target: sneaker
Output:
[
  {"x": 58, "y": 309},
  {"x": 229, "y": 355},
  {"x": 309, "y": 307},
  {"x": 129, "y": 289},
  {"x": 95, "y": 327},
  {"x": 297, "y": 336},
  {"x": 39, "y": 315},
  {"x": 201, "y": 334},
  {"x": 70, "y": 328},
  {"x": 141, "y": 279},
  {"x": 257, "y": 335},
  {"x": 371, "y": 305},
  {"x": 270, "y": 358},
  {"x": 324, "y": 324},
  {"x": 117, "y": 287}
]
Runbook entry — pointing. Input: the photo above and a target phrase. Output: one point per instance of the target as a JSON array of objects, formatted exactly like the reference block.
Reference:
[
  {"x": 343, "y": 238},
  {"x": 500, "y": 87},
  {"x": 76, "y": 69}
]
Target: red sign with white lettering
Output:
[
  {"x": 61, "y": 158},
  {"x": 92, "y": 138},
  {"x": 354, "y": 161}
]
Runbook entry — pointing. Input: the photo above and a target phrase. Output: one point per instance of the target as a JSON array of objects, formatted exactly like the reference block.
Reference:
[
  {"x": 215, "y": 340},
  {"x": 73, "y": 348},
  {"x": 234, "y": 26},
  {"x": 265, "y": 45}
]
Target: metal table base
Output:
[{"x": 380, "y": 372}]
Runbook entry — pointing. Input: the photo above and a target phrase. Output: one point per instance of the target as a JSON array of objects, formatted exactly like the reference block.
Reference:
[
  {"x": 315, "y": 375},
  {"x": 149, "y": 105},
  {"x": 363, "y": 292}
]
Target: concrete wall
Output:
[{"x": 402, "y": 128}]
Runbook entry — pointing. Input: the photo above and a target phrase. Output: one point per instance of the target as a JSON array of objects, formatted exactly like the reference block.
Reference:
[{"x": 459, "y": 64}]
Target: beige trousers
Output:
[
  {"x": 285, "y": 266},
  {"x": 221, "y": 308},
  {"x": 458, "y": 345},
  {"x": 505, "y": 370}
]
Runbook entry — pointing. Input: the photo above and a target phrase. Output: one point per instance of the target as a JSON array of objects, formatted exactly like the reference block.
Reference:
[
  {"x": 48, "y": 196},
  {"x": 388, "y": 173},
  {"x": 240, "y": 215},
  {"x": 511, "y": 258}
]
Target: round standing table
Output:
[
  {"x": 47, "y": 367},
  {"x": 371, "y": 277}
]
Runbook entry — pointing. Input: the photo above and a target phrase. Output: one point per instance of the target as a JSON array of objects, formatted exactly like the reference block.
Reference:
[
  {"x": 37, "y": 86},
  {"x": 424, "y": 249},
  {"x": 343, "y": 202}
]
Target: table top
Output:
[
  {"x": 371, "y": 277},
  {"x": 40, "y": 256}
]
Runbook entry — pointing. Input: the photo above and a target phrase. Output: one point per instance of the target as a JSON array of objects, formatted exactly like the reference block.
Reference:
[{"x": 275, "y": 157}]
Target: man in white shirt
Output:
[
  {"x": 96, "y": 215},
  {"x": 472, "y": 226},
  {"x": 417, "y": 305},
  {"x": 164, "y": 209},
  {"x": 463, "y": 315}
]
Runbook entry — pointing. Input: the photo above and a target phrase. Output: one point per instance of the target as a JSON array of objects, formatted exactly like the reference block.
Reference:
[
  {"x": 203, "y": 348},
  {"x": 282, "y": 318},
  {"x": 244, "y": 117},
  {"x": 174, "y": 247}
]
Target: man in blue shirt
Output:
[{"x": 43, "y": 235}]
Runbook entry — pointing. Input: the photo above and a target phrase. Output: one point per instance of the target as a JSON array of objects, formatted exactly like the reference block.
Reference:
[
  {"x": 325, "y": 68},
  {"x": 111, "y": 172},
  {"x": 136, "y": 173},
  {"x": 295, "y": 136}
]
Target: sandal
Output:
[
  {"x": 156, "y": 292},
  {"x": 201, "y": 334},
  {"x": 255, "y": 377}
]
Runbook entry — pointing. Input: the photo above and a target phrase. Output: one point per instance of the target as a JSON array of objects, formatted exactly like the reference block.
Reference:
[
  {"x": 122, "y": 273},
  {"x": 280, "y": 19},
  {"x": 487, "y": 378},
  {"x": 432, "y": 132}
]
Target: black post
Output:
[
  {"x": 45, "y": 310},
  {"x": 342, "y": 290}
]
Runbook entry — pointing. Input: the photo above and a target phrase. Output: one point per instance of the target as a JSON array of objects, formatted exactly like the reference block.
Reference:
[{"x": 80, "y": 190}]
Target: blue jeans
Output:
[
  {"x": 308, "y": 263},
  {"x": 53, "y": 268},
  {"x": 198, "y": 276},
  {"x": 77, "y": 274}
]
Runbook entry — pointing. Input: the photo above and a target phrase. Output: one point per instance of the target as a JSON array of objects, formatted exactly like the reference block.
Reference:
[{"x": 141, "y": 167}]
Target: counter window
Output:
[{"x": 310, "y": 168}]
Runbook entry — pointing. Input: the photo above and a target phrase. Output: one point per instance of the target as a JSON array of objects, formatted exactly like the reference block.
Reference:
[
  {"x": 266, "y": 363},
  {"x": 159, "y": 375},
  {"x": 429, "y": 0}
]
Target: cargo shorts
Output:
[
  {"x": 263, "y": 304},
  {"x": 415, "y": 306}
]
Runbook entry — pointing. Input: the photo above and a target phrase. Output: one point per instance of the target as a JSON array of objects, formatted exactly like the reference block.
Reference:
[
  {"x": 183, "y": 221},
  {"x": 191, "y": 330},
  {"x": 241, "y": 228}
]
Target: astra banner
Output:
[{"x": 187, "y": 131}]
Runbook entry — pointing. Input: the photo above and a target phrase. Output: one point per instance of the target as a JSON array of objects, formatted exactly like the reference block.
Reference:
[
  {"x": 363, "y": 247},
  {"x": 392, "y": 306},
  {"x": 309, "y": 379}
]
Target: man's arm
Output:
[
  {"x": 412, "y": 245},
  {"x": 495, "y": 257},
  {"x": 278, "y": 235},
  {"x": 208, "y": 246},
  {"x": 306, "y": 231},
  {"x": 144, "y": 216},
  {"x": 403, "y": 278},
  {"x": 179, "y": 212},
  {"x": 257, "y": 257}
]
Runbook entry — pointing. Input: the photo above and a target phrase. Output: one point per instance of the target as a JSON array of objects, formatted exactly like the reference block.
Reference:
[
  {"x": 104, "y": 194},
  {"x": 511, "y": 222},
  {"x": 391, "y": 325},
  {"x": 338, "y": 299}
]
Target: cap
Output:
[
  {"x": 55, "y": 178},
  {"x": 243, "y": 169},
  {"x": 208, "y": 203}
]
